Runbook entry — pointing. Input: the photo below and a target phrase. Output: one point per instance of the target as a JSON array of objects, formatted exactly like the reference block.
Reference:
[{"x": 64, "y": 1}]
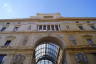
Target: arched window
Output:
[{"x": 46, "y": 53}]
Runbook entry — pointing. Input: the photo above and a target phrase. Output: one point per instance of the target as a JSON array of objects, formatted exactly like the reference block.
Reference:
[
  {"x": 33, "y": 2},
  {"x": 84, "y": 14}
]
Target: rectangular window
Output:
[
  {"x": 7, "y": 25},
  {"x": 44, "y": 27},
  {"x": 56, "y": 27},
  {"x": 48, "y": 27},
  {"x": 52, "y": 27},
  {"x": 3, "y": 28},
  {"x": 89, "y": 41},
  {"x": 1, "y": 58},
  {"x": 40, "y": 27},
  {"x": 7, "y": 42},
  {"x": 81, "y": 58},
  {"x": 93, "y": 27},
  {"x": 15, "y": 28},
  {"x": 81, "y": 27}
]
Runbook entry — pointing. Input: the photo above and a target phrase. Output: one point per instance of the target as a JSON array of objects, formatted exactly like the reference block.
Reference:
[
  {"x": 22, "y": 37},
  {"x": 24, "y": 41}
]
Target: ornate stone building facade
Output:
[{"x": 48, "y": 39}]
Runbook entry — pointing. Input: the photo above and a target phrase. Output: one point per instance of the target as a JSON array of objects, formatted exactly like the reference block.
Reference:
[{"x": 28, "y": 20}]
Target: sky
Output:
[{"x": 10, "y": 9}]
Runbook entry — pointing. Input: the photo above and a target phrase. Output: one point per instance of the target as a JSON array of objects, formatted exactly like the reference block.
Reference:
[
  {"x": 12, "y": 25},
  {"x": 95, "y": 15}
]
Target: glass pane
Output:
[
  {"x": 44, "y": 62},
  {"x": 44, "y": 27},
  {"x": 81, "y": 58},
  {"x": 40, "y": 27},
  {"x": 57, "y": 27},
  {"x": 7, "y": 42},
  {"x": 48, "y": 27},
  {"x": 3, "y": 29},
  {"x": 52, "y": 27},
  {"x": 81, "y": 27},
  {"x": 46, "y": 51},
  {"x": 93, "y": 27},
  {"x": 1, "y": 57}
]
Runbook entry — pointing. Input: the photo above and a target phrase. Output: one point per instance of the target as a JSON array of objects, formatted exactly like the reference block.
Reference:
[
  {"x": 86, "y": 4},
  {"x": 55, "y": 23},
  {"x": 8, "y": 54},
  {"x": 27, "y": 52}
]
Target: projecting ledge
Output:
[
  {"x": 81, "y": 48},
  {"x": 16, "y": 50}
]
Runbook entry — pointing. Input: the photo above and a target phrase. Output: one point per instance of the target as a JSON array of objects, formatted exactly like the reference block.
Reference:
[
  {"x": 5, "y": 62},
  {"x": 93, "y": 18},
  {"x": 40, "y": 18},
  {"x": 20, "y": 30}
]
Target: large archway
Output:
[
  {"x": 49, "y": 39},
  {"x": 48, "y": 50}
]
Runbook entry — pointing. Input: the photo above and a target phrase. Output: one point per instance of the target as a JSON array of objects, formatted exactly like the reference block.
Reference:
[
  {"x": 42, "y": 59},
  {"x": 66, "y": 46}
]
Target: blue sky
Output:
[{"x": 67, "y": 8}]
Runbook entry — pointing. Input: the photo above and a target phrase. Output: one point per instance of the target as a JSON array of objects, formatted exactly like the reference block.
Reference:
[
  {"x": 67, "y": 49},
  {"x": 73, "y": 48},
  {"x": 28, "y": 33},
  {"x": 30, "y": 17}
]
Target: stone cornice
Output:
[
  {"x": 65, "y": 31},
  {"x": 81, "y": 48},
  {"x": 48, "y": 20},
  {"x": 16, "y": 49}
]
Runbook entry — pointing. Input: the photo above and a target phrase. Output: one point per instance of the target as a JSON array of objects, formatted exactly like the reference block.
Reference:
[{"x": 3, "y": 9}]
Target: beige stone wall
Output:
[
  {"x": 24, "y": 26},
  {"x": 25, "y": 39}
]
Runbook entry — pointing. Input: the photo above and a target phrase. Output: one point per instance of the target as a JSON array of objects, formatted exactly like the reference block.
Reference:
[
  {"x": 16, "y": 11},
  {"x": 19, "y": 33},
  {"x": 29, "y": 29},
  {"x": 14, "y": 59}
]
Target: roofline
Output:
[{"x": 57, "y": 19}]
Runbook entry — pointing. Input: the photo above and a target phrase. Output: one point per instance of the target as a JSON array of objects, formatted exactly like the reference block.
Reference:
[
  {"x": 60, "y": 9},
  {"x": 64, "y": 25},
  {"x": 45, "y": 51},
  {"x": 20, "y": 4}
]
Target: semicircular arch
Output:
[{"x": 49, "y": 40}]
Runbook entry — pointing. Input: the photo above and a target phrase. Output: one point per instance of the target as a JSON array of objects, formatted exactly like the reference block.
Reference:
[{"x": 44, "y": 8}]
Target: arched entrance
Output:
[
  {"x": 48, "y": 50},
  {"x": 49, "y": 39}
]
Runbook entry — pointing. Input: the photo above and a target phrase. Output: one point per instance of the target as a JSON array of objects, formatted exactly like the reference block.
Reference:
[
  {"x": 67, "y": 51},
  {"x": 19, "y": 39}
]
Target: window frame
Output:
[{"x": 48, "y": 51}]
